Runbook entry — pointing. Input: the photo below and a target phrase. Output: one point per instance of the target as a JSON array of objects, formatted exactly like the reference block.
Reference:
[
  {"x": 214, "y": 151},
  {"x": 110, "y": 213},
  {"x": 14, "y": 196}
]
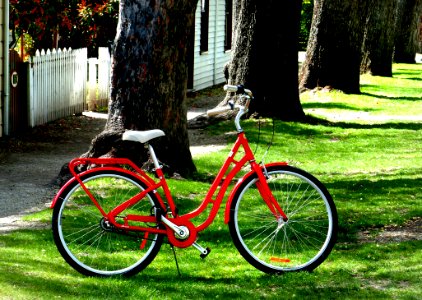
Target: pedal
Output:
[
  {"x": 204, "y": 251},
  {"x": 203, "y": 255}
]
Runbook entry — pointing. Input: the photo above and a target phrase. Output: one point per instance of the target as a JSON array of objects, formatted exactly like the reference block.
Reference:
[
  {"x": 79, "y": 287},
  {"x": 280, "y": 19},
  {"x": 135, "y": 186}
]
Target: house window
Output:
[
  {"x": 229, "y": 25},
  {"x": 205, "y": 16}
]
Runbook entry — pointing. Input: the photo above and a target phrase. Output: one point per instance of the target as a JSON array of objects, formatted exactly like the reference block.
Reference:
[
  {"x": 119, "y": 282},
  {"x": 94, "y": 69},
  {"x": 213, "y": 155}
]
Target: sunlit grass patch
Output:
[{"x": 391, "y": 97}]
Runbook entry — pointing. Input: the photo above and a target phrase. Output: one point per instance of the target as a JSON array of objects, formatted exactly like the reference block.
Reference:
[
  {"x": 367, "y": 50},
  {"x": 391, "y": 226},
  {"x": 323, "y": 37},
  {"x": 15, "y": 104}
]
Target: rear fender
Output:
[
  {"x": 73, "y": 181},
  {"x": 235, "y": 190}
]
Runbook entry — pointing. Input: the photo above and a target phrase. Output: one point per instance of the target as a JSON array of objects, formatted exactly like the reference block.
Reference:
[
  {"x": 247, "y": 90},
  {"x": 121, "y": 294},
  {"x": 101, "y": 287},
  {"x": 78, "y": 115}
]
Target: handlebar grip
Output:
[
  {"x": 238, "y": 89},
  {"x": 230, "y": 88},
  {"x": 218, "y": 110}
]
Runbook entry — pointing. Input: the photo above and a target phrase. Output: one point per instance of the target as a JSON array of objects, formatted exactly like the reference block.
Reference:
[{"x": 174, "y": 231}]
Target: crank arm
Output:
[{"x": 179, "y": 231}]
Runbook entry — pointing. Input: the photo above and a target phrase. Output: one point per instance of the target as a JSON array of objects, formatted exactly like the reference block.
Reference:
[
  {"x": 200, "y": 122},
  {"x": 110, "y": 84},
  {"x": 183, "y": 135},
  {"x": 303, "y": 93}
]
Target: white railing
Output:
[
  {"x": 57, "y": 85},
  {"x": 66, "y": 82}
]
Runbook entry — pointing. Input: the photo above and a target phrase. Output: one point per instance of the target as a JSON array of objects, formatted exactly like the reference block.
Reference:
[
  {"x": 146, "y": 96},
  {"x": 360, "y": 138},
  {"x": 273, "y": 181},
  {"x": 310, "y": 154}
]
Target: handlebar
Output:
[
  {"x": 238, "y": 89},
  {"x": 244, "y": 93}
]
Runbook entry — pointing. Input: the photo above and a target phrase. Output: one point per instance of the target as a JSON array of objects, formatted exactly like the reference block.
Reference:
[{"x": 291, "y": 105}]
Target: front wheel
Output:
[
  {"x": 272, "y": 245},
  {"x": 91, "y": 244}
]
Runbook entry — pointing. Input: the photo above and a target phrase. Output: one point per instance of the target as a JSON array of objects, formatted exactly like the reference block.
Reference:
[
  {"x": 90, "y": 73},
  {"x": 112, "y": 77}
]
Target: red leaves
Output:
[{"x": 81, "y": 18}]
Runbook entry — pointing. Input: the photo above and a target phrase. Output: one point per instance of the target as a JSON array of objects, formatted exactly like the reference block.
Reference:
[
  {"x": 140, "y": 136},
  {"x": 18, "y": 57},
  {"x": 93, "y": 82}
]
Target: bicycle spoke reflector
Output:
[{"x": 280, "y": 260}]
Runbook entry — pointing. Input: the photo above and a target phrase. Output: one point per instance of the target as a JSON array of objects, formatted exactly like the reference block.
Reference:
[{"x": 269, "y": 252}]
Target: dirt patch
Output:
[
  {"x": 411, "y": 230},
  {"x": 11, "y": 223}
]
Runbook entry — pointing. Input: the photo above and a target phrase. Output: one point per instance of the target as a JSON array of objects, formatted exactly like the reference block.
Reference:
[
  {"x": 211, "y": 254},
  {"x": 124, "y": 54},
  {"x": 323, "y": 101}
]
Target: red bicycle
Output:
[{"x": 112, "y": 218}]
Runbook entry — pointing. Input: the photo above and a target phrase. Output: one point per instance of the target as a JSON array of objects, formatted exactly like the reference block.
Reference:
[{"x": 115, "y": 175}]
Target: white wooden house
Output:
[{"x": 212, "y": 43}]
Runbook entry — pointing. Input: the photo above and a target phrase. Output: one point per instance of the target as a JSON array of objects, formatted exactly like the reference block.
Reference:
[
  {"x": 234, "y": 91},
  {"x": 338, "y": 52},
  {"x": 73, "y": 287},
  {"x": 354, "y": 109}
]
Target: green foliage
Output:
[
  {"x": 305, "y": 23},
  {"x": 77, "y": 23},
  {"x": 372, "y": 168},
  {"x": 88, "y": 23}
]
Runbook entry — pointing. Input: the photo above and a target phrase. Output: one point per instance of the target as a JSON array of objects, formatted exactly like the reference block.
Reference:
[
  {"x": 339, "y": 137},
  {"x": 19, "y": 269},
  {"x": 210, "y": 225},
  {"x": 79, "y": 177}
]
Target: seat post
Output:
[{"x": 154, "y": 157}]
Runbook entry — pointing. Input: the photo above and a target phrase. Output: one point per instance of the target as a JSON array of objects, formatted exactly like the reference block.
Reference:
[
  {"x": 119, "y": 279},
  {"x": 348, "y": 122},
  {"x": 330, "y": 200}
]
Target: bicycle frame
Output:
[
  {"x": 113, "y": 207},
  {"x": 168, "y": 213},
  {"x": 214, "y": 196}
]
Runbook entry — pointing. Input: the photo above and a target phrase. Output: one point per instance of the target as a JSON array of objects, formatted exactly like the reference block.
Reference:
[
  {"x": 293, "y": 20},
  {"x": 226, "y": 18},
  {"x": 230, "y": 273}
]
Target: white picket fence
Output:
[{"x": 63, "y": 82}]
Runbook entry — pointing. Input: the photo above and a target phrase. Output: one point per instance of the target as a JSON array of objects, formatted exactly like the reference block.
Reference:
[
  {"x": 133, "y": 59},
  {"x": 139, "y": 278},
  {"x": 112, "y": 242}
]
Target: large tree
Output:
[
  {"x": 378, "y": 42},
  {"x": 333, "y": 55},
  {"x": 149, "y": 80},
  {"x": 265, "y": 56},
  {"x": 408, "y": 21}
]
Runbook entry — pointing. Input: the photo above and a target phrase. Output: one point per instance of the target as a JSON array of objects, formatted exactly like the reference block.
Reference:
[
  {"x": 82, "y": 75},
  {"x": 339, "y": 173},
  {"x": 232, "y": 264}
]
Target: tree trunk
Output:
[
  {"x": 149, "y": 79},
  {"x": 265, "y": 56},
  {"x": 56, "y": 37},
  {"x": 408, "y": 18},
  {"x": 378, "y": 44},
  {"x": 333, "y": 55}
]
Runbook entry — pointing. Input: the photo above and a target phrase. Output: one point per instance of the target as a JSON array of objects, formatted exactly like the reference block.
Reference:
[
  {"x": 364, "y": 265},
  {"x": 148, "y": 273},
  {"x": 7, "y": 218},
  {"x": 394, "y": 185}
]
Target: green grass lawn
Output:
[
  {"x": 395, "y": 99},
  {"x": 371, "y": 162}
]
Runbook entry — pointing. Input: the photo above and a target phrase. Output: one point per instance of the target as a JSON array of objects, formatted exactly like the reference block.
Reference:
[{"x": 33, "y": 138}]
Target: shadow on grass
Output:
[
  {"x": 261, "y": 131},
  {"x": 391, "y": 98},
  {"x": 365, "y": 201},
  {"x": 329, "y": 105},
  {"x": 312, "y": 120},
  {"x": 408, "y": 74}
]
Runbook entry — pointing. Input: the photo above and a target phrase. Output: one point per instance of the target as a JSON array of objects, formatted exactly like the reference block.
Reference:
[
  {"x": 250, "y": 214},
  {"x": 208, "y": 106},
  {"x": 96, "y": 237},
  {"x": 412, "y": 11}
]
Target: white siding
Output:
[{"x": 208, "y": 66}]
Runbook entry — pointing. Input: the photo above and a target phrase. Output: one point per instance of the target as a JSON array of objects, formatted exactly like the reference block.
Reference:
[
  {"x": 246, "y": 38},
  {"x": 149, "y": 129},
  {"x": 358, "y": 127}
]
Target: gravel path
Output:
[{"x": 32, "y": 162}]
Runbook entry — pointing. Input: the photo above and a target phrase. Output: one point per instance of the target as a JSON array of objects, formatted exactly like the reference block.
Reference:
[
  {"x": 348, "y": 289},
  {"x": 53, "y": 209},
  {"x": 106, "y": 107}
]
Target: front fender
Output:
[{"x": 234, "y": 191}]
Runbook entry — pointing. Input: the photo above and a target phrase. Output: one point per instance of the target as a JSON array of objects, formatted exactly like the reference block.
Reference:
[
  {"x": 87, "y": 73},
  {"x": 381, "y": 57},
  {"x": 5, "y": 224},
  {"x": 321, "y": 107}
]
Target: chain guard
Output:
[{"x": 178, "y": 242}]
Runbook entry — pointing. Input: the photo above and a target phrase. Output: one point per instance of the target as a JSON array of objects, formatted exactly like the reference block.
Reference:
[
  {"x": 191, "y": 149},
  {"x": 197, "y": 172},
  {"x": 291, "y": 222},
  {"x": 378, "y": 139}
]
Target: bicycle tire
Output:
[
  {"x": 273, "y": 246},
  {"x": 92, "y": 246}
]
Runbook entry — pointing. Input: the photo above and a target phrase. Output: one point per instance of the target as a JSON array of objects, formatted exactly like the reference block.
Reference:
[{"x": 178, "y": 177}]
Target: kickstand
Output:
[{"x": 175, "y": 259}]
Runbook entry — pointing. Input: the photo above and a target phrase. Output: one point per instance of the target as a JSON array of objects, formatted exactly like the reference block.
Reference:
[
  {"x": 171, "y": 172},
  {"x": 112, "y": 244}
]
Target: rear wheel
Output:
[
  {"x": 272, "y": 245},
  {"x": 92, "y": 245}
]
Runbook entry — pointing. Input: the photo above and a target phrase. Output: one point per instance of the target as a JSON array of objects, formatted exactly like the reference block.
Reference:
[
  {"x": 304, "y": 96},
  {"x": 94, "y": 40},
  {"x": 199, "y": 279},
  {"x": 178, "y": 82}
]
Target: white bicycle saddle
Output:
[{"x": 142, "y": 136}]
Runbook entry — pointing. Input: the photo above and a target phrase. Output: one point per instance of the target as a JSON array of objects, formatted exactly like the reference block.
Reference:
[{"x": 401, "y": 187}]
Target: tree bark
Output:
[
  {"x": 149, "y": 81},
  {"x": 378, "y": 42},
  {"x": 265, "y": 56},
  {"x": 333, "y": 55},
  {"x": 408, "y": 18}
]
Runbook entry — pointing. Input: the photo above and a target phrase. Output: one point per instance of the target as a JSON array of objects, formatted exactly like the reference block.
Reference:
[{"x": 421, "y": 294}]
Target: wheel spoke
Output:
[
  {"x": 303, "y": 241},
  {"x": 91, "y": 245}
]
